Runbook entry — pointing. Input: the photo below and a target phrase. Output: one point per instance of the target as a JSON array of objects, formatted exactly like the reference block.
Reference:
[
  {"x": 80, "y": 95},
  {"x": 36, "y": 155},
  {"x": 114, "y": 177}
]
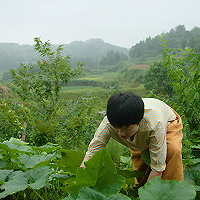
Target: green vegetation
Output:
[
  {"x": 178, "y": 38},
  {"x": 49, "y": 172},
  {"x": 52, "y": 104}
]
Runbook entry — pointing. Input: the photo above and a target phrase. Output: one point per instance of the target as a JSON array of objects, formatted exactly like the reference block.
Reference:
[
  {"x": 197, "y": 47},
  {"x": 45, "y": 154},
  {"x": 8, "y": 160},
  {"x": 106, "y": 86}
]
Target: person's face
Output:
[{"x": 127, "y": 131}]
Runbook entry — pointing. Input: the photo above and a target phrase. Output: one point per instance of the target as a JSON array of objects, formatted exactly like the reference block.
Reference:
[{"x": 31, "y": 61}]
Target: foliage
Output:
[
  {"x": 80, "y": 121},
  {"x": 53, "y": 73},
  {"x": 157, "y": 80},
  {"x": 112, "y": 58},
  {"x": 100, "y": 173},
  {"x": 177, "y": 38},
  {"x": 90, "y": 194},
  {"x": 27, "y": 169},
  {"x": 184, "y": 72},
  {"x": 41, "y": 86},
  {"x": 90, "y": 52},
  {"x": 128, "y": 75},
  {"x": 115, "y": 149},
  {"x": 47, "y": 172},
  {"x": 145, "y": 157},
  {"x": 160, "y": 190},
  {"x": 10, "y": 120},
  {"x": 193, "y": 176},
  {"x": 44, "y": 123}
]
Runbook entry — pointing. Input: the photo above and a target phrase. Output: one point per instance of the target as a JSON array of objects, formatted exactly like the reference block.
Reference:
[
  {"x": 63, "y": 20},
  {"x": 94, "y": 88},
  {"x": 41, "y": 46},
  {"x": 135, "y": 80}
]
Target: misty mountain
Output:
[
  {"x": 177, "y": 38},
  {"x": 96, "y": 53},
  {"x": 12, "y": 54}
]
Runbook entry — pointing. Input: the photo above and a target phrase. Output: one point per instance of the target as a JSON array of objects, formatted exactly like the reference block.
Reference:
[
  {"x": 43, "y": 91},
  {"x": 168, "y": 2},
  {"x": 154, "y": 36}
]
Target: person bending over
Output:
[{"x": 146, "y": 124}]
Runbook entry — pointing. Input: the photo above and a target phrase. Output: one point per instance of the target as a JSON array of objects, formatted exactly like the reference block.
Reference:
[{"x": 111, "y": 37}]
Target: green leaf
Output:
[
  {"x": 17, "y": 141},
  {"x": 99, "y": 172},
  {"x": 70, "y": 160},
  {"x": 129, "y": 173},
  {"x": 19, "y": 180},
  {"x": 125, "y": 159},
  {"x": 89, "y": 194},
  {"x": 193, "y": 177},
  {"x": 62, "y": 177},
  {"x": 4, "y": 174},
  {"x": 17, "y": 146},
  {"x": 68, "y": 198},
  {"x": 34, "y": 160},
  {"x": 157, "y": 189},
  {"x": 2, "y": 163},
  {"x": 197, "y": 95},
  {"x": 17, "y": 183},
  {"x": 39, "y": 177}
]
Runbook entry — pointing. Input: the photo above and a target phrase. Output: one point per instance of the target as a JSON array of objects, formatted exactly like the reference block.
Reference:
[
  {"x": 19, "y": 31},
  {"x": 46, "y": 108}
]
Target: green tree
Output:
[
  {"x": 40, "y": 86},
  {"x": 54, "y": 72},
  {"x": 185, "y": 77},
  {"x": 183, "y": 43},
  {"x": 192, "y": 42},
  {"x": 157, "y": 79},
  {"x": 112, "y": 58}
]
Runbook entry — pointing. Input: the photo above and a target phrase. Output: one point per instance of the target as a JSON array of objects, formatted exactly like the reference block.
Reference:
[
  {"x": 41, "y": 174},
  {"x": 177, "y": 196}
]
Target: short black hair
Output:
[{"x": 124, "y": 109}]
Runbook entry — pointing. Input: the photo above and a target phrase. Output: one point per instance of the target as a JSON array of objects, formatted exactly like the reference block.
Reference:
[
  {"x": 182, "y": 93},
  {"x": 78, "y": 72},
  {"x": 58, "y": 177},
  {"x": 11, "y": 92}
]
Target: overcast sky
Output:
[{"x": 119, "y": 22}]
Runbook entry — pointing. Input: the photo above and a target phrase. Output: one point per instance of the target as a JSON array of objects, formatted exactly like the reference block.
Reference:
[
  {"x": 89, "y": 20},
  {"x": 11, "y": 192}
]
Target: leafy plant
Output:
[
  {"x": 184, "y": 74},
  {"x": 79, "y": 122},
  {"x": 99, "y": 173},
  {"x": 10, "y": 121},
  {"x": 25, "y": 168},
  {"x": 39, "y": 87},
  {"x": 159, "y": 190},
  {"x": 47, "y": 172},
  {"x": 157, "y": 79},
  {"x": 90, "y": 194},
  {"x": 45, "y": 81}
]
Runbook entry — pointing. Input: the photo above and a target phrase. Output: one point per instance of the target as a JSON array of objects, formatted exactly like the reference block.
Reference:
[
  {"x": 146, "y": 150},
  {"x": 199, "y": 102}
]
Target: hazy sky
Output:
[{"x": 120, "y": 22}]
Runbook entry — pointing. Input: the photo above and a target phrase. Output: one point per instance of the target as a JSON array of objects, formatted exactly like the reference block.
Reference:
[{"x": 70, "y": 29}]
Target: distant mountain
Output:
[
  {"x": 178, "y": 38},
  {"x": 12, "y": 54},
  {"x": 94, "y": 48}
]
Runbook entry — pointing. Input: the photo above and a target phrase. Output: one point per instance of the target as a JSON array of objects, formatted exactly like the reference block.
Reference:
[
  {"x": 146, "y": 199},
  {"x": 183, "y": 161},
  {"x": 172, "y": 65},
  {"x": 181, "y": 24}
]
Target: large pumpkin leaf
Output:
[
  {"x": 39, "y": 176},
  {"x": 89, "y": 194},
  {"x": 17, "y": 144},
  {"x": 70, "y": 160},
  {"x": 193, "y": 177},
  {"x": 99, "y": 172},
  {"x": 157, "y": 189},
  {"x": 3, "y": 175},
  {"x": 18, "y": 180},
  {"x": 17, "y": 183},
  {"x": 34, "y": 160}
]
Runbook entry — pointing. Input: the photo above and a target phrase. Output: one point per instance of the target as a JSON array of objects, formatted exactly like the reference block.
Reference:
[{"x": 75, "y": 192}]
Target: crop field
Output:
[
  {"x": 74, "y": 92},
  {"x": 101, "y": 76},
  {"x": 137, "y": 66}
]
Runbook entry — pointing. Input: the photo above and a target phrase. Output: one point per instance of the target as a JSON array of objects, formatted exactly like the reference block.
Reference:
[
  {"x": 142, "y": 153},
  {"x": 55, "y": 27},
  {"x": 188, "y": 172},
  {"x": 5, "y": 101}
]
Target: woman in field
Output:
[{"x": 143, "y": 125}]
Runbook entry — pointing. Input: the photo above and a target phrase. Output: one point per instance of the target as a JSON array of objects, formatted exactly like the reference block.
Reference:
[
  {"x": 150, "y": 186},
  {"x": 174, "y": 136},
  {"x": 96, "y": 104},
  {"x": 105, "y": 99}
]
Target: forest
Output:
[{"x": 52, "y": 102}]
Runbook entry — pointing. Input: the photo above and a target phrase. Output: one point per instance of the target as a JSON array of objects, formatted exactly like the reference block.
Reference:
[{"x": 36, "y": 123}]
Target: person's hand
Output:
[
  {"x": 84, "y": 160},
  {"x": 153, "y": 174}
]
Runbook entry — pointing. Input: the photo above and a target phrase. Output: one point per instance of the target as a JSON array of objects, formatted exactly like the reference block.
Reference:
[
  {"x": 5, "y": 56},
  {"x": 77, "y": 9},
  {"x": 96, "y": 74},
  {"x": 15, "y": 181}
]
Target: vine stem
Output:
[{"x": 38, "y": 194}]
